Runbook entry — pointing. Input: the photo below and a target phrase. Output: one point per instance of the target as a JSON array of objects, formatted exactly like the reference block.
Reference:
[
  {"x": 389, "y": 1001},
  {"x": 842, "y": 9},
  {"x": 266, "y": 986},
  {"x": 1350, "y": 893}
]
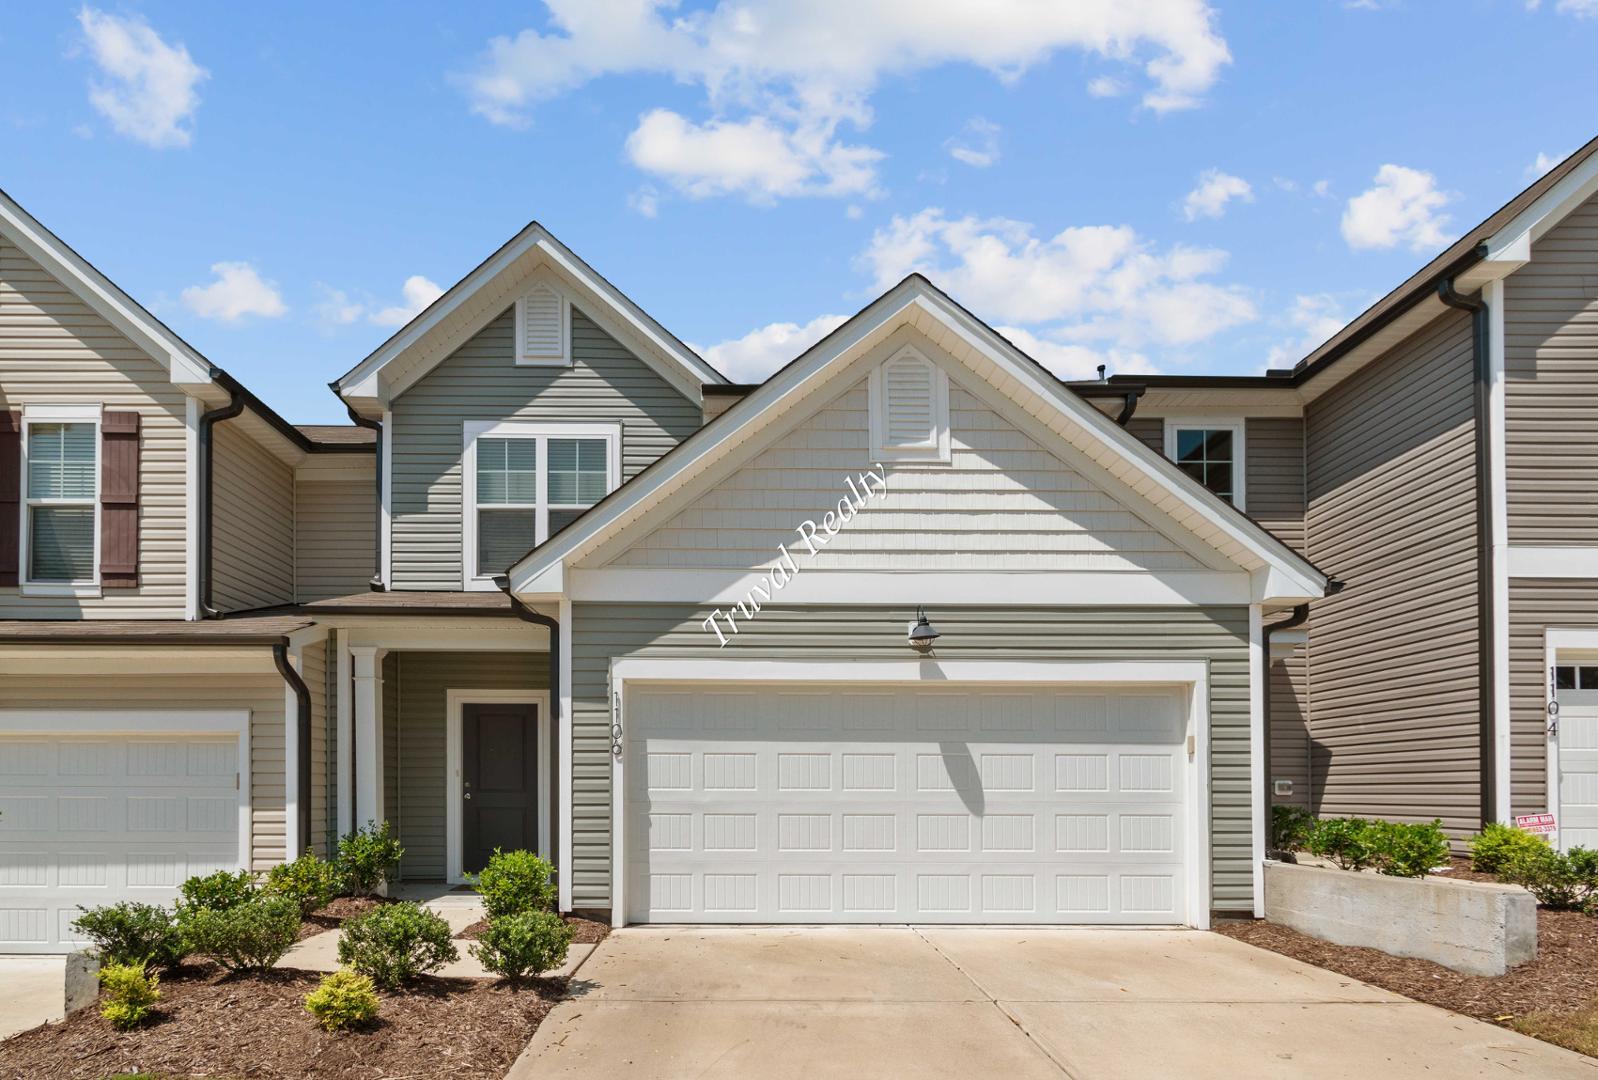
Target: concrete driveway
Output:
[
  {"x": 1021, "y": 1004},
  {"x": 31, "y": 992}
]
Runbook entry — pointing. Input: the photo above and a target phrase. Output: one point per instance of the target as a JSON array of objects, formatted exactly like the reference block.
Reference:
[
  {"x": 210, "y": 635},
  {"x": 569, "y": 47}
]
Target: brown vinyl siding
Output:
[
  {"x": 601, "y": 632},
  {"x": 334, "y": 534},
  {"x": 481, "y": 381},
  {"x": 253, "y": 524},
  {"x": 1535, "y": 606},
  {"x": 1551, "y": 386},
  {"x": 1273, "y": 450},
  {"x": 1392, "y": 514}
]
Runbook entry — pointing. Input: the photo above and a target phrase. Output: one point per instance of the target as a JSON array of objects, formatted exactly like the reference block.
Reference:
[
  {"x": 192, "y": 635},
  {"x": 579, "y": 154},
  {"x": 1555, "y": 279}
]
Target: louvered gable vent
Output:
[
  {"x": 541, "y": 326},
  {"x": 909, "y": 409}
]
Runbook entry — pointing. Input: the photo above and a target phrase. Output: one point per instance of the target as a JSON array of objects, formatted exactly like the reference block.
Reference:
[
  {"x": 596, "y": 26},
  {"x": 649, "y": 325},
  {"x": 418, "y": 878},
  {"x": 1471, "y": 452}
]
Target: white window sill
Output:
[
  {"x": 37, "y": 588},
  {"x": 481, "y": 584}
]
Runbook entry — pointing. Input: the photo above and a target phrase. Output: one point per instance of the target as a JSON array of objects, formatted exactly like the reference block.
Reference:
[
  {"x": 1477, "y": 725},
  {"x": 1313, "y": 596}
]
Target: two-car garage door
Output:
[{"x": 999, "y": 804}]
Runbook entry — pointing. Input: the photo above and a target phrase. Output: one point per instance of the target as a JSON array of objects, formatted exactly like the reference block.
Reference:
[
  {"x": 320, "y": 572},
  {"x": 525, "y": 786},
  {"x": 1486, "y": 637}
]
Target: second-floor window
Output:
[
  {"x": 62, "y": 495},
  {"x": 526, "y": 481},
  {"x": 1210, "y": 453}
]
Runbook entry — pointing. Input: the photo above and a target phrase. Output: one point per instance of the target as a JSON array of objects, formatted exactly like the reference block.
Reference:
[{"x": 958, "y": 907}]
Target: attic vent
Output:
[
  {"x": 910, "y": 409},
  {"x": 541, "y": 327}
]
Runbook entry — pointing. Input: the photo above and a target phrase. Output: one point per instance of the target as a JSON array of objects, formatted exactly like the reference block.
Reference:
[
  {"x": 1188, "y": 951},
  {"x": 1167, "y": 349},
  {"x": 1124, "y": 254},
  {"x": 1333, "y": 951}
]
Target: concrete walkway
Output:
[
  {"x": 32, "y": 992},
  {"x": 1033, "y": 1003}
]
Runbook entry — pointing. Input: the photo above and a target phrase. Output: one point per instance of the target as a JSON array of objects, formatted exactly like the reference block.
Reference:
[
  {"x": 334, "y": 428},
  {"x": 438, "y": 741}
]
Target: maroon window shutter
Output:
[
  {"x": 119, "y": 500},
  {"x": 10, "y": 496}
]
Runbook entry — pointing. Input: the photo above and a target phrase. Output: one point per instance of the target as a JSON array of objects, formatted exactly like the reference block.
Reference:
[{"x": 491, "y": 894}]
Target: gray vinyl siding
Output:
[
  {"x": 55, "y": 350},
  {"x": 480, "y": 381},
  {"x": 1393, "y": 669},
  {"x": 1274, "y": 476},
  {"x": 1219, "y": 636},
  {"x": 252, "y": 550},
  {"x": 334, "y": 532},
  {"x": 1149, "y": 430},
  {"x": 1535, "y": 606},
  {"x": 313, "y": 669},
  {"x": 1551, "y": 396},
  {"x": 1290, "y": 740},
  {"x": 418, "y": 690}
]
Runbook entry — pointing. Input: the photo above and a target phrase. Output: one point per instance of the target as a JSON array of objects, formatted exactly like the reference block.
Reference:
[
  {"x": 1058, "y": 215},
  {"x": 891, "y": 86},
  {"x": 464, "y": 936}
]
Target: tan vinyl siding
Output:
[
  {"x": 333, "y": 530},
  {"x": 1535, "y": 606},
  {"x": 480, "y": 381},
  {"x": 1004, "y": 503},
  {"x": 1220, "y": 636},
  {"x": 421, "y": 682},
  {"x": 1551, "y": 398},
  {"x": 253, "y": 522},
  {"x": 313, "y": 669},
  {"x": 1392, "y": 514},
  {"x": 330, "y": 745},
  {"x": 54, "y": 350},
  {"x": 261, "y": 694},
  {"x": 1274, "y": 476}
]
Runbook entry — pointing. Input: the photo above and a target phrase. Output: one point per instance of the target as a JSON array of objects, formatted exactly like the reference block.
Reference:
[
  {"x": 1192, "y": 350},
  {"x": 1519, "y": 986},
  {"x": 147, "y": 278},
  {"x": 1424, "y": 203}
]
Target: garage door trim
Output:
[
  {"x": 147, "y": 722},
  {"x": 1192, "y": 674}
]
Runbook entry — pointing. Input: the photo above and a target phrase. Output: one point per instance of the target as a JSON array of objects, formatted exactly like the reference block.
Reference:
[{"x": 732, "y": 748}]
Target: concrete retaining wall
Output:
[{"x": 1473, "y": 927}]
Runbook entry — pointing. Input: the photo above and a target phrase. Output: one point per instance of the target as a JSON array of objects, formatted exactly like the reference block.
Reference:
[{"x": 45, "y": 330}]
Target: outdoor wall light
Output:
[{"x": 921, "y": 633}]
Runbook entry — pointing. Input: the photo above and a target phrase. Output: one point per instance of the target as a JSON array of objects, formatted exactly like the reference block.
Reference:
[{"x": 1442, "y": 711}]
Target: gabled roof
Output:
[
  {"x": 1147, "y": 476},
  {"x": 472, "y": 301}
]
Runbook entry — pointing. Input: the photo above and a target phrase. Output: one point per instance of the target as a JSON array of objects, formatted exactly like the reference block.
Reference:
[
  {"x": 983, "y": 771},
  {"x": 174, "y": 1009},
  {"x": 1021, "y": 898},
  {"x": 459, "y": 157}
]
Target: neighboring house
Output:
[{"x": 706, "y": 690}]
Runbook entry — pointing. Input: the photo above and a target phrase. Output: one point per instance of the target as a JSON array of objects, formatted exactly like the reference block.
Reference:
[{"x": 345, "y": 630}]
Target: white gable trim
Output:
[
  {"x": 1512, "y": 244},
  {"x": 185, "y": 366},
  {"x": 1279, "y": 574}
]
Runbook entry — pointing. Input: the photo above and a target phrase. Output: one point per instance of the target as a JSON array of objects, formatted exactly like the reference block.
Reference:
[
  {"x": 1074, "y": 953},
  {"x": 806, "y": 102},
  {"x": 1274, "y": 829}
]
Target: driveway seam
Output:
[{"x": 1038, "y": 1046}]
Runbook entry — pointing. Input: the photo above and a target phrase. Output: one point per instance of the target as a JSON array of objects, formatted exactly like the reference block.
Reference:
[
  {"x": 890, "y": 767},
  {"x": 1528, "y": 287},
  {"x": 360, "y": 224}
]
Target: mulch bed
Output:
[
  {"x": 214, "y": 1025},
  {"x": 584, "y": 931},
  {"x": 347, "y": 907}
]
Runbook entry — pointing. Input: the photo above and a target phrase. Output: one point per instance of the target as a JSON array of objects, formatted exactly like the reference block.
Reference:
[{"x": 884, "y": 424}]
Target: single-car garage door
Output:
[
  {"x": 788, "y": 803},
  {"x": 91, "y": 820}
]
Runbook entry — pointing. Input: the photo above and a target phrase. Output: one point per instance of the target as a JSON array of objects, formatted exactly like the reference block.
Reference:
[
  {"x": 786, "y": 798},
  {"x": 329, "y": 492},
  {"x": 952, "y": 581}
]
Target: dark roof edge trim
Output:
[{"x": 293, "y": 434}]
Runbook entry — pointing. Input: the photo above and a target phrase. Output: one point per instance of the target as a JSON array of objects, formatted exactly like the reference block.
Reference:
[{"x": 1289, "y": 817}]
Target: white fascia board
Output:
[
  {"x": 185, "y": 367},
  {"x": 1514, "y": 241}
]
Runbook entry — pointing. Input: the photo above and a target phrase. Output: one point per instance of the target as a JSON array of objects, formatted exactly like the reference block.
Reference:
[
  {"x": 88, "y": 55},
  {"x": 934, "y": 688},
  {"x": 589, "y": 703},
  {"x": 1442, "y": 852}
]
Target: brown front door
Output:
[{"x": 499, "y": 807}]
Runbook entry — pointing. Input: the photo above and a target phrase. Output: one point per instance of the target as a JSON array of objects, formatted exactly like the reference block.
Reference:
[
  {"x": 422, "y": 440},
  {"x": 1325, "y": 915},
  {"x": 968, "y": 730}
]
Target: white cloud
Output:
[
  {"x": 145, "y": 87},
  {"x": 1543, "y": 162},
  {"x": 1323, "y": 188},
  {"x": 977, "y": 144},
  {"x": 646, "y": 200},
  {"x": 1107, "y": 86},
  {"x": 757, "y": 354},
  {"x": 1582, "y": 9},
  {"x": 1404, "y": 207},
  {"x": 1314, "y": 318},
  {"x": 1096, "y": 283},
  {"x": 1072, "y": 361},
  {"x": 337, "y": 309},
  {"x": 416, "y": 294},
  {"x": 1215, "y": 189},
  {"x": 237, "y": 291}
]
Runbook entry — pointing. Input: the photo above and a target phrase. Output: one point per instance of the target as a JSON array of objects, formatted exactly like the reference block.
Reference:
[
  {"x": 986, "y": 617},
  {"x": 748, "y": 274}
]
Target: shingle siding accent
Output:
[
  {"x": 1393, "y": 658},
  {"x": 481, "y": 381},
  {"x": 252, "y": 523},
  {"x": 1219, "y": 636}
]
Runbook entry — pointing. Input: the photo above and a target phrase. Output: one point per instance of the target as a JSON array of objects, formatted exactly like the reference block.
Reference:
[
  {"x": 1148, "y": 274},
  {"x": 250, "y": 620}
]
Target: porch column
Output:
[
  {"x": 368, "y": 701},
  {"x": 344, "y": 716}
]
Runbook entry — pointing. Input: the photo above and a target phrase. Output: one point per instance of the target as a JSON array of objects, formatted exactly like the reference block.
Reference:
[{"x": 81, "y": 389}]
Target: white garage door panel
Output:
[
  {"x": 1578, "y": 776},
  {"x": 832, "y": 804},
  {"x": 93, "y": 820}
]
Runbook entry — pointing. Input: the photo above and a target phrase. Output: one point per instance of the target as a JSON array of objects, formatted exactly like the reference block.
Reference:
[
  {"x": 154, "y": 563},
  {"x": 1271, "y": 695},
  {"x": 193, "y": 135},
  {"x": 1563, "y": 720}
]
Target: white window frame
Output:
[
  {"x": 565, "y": 357},
  {"x": 540, "y": 432},
  {"x": 934, "y": 452},
  {"x": 57, "y": 414},
  {"x": 1237, "y": 426}
]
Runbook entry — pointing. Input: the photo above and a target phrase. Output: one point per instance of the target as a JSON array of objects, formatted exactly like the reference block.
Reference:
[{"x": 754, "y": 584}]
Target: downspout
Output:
[
  {"x": 527, "y": 614},
  {"x": 302, "y": 725},
  {"x": 1129, "y": 407},
  {"x": 376, "y": 583},
  {"x": 1484, "y": 539},
  {"x": 207, "y": 484}
]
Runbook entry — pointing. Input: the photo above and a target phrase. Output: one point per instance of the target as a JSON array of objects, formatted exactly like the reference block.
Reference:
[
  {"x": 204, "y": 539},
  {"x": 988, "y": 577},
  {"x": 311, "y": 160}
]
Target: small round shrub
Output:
[
  {"x": 366, "y": 857},
  {"x": 395, "y": 943},
  {"x": 1564, "y": 881},
  {"x": 1408, "y": 850},
  {"x": 218, "y": 891},
  {"x": 343, "y": 999},
  {"x": 1493, "y": 847},
  {"x": 515, "y": 882},
  {"x": 132, "y": 933},
  {"x": 246, "y": 937},
  {"x": 1291, "y": 828},
  {"x": 309, "y": 881},
  {"x": 1346, "y": 841},
  {"x": 128, "y": 992},
  {"x": 526, "y": 944}
]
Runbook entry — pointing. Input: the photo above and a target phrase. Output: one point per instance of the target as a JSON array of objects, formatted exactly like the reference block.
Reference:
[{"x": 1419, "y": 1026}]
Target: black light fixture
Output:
[{"x": 921, "y": 633}]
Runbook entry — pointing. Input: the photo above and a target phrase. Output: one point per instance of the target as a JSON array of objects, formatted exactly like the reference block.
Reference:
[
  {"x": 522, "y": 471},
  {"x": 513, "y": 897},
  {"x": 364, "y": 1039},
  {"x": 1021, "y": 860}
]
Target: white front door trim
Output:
[
  {"x": 454, "y": 757},
  {"x": 1194, "y": 674}
]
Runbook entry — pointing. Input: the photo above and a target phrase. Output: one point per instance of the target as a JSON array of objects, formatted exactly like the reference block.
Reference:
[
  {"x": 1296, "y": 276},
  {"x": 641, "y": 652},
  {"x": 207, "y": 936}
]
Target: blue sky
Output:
[{"x": 1175, "y": 186}]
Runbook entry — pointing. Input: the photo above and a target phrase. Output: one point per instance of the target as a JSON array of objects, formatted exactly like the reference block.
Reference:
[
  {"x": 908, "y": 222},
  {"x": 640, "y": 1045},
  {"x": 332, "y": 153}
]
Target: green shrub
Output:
[
  {"x": 246, "y": 937},
  {"x": 130, "y": 933},
  {"x": 528, "y": 943},
  {"x": 1493, "y": 847},
  {"x": 1404, "y": 850},
  {"x": 1565, "y": 881},
  {"x": 1346, "y": 841},
  {"x": 1291, "y": 827},
  {"x": 217, "y": 892},
  {"x": 395, "y": 943},
  {"x": 515, "y": 882},
  {"x": 343, "y": 999},
  {"x": 366, "y": 857},
  {"x": 129, "y": 991},
  {"x": 309, "y": 881}
]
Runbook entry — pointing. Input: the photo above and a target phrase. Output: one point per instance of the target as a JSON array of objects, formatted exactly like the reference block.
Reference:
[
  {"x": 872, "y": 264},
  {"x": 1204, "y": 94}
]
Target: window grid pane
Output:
[
  {"x": 61, "y": 461},
  {"x": 578, "y": 472},
  {"x": 507, "y": 472},
  {"x": 1206, "y": 454}
]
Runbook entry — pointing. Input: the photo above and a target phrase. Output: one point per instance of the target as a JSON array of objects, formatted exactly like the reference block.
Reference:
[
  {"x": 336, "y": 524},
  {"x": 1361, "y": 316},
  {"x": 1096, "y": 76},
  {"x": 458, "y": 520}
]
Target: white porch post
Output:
[
  {"x": 368, "y": 701},
  {"x": 1259, "y": 813},
  {"x": 293, "y": 842},
  {"x": 563, "y": 872},
  {"x": 345, "y": 727}
]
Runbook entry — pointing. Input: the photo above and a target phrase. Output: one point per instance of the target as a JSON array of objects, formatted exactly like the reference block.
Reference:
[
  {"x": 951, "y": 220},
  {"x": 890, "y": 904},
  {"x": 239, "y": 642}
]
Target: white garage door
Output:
[
  {"x": 1578, "y": 773},
  {"x": 96, "y": 819},
  {"x": 907, "y": 804}
]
